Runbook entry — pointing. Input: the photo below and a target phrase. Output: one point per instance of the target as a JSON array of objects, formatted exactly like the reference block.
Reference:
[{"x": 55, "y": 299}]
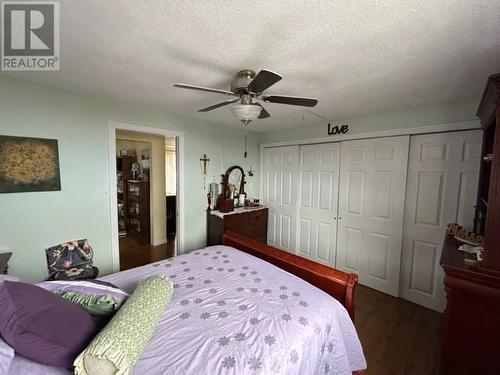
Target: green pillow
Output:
[
  {"x": 119, "y": 345},
  {"x": 103, "y": 305}
]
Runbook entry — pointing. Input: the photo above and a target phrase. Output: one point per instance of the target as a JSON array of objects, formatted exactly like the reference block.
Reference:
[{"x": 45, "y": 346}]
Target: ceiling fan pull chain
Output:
[{"x": 246, "y": 136}]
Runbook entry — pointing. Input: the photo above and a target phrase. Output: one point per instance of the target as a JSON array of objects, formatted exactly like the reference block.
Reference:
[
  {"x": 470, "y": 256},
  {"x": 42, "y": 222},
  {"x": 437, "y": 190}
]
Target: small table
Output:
[{"x": 4, "y": 259}]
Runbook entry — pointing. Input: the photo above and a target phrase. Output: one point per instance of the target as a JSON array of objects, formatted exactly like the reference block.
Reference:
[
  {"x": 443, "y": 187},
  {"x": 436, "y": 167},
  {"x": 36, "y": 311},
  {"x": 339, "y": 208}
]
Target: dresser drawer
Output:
[
  {"x": 235, "y": 222},
  {"x": 249, "y": 223},
  {"x": 257, "y": 218},
  {"x": 257, "y": 225}
]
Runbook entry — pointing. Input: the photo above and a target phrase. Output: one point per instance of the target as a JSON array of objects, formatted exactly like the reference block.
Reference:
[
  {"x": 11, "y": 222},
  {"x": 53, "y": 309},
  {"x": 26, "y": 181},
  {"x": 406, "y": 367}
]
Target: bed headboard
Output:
[{"x": 338, "y": 284}]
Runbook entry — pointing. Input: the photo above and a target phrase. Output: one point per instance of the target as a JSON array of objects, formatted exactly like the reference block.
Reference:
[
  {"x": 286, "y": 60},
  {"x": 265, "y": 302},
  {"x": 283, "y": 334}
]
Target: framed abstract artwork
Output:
[{"x": 29, "y": 164}]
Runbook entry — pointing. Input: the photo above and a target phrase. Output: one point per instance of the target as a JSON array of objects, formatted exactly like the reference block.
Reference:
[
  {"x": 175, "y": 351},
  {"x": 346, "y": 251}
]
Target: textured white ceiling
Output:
[{"x": 357, "y": 57}]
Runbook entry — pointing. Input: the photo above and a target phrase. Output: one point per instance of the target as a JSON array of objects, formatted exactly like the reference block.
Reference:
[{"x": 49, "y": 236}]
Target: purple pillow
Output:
[{"x": 42, "y": 326}]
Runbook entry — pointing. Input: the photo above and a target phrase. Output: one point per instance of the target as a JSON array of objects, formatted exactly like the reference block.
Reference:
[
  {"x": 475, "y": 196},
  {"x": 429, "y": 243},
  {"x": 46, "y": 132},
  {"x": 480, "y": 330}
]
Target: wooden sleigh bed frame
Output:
[{"x": 340, "y": 285}]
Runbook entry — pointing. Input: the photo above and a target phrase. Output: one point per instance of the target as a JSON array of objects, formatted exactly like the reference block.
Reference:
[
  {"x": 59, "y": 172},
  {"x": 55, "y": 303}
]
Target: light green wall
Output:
[
  {"x": 464, "y": 110},
  {"x": 234, "y": 147},
  {"x": 30, "y": 222}
]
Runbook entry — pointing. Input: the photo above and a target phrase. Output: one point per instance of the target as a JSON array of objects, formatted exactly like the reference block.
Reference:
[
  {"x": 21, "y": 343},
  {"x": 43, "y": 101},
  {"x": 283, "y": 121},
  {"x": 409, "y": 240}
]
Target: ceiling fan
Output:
[{"x": 248, "y": 87}]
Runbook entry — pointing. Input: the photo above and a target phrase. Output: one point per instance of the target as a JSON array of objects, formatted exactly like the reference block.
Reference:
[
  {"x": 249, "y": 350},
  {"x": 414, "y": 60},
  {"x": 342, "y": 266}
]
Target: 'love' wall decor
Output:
[{"x": 343, "y": 129}]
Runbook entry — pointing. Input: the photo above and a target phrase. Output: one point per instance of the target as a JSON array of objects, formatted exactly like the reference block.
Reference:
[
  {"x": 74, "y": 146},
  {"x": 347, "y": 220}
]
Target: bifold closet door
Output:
[
  {"x": 443, "y": 173},
  {"x": 280, "y": 195},
  {"x": 319, "y": 167},
  {"x": 371, "y": 207}
]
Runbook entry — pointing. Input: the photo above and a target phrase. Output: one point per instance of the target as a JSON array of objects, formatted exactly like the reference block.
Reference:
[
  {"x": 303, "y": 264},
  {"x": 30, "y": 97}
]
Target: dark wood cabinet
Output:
[
  {"x": 171, "y": 211},
  {"x": 489, "y": 185},
  {"x": 471, "y": 334},
  {"x": 250, "y": 223},
  {"x": 138, "y": 217},
  {"x": 124, "y": 173}
]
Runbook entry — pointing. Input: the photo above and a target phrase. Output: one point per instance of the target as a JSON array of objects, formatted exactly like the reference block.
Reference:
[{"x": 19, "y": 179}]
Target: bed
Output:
[{"x": 234, "y": 312}]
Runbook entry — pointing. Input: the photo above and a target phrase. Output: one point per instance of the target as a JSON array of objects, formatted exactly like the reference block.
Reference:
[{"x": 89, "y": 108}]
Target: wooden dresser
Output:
[
  {"x": 471, "y": 334},
  {"x": 251, "y": 223}
]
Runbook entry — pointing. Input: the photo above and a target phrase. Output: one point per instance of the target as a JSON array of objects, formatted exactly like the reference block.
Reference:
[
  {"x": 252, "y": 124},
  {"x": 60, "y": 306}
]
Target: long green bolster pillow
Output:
[{"x": 119, "y": 345}]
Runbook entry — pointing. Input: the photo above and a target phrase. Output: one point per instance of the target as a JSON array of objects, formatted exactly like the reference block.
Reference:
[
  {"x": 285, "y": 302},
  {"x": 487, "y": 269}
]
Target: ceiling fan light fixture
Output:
[
  {"x": 246, "y": 112},
  {"x": 247, "y": 86}
]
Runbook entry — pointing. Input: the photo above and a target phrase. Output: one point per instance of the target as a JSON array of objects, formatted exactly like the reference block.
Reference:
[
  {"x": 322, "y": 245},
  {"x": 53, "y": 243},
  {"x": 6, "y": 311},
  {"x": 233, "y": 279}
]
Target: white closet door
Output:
[
  {"x": 280, "y": 195},
  {"x": 317, "y": 197},
  {"x": 443, "y": 174},
  {"x": 371, "y": 206}
]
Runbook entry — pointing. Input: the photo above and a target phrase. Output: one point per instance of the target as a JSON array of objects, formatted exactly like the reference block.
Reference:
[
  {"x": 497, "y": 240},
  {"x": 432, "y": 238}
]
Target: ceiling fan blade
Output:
[
  {"x": 206, "y": 109},
  {"x": 263, "y": 113},
  {"x": 263, "y": 80},
  {"x": 200, "y": 88},
  {"x": 292, "y": 100}
]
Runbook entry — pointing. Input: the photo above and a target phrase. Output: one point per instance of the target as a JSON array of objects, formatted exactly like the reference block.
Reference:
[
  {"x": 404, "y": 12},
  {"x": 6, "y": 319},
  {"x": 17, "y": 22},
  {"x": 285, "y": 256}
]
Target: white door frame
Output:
[{"x": 113, "y": 202}]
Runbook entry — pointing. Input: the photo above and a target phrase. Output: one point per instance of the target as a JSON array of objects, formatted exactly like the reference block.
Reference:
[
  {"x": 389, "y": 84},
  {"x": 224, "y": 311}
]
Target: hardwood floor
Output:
[
  {"x": 398, "y": 337},
  {"x": 133, "y": 254}
]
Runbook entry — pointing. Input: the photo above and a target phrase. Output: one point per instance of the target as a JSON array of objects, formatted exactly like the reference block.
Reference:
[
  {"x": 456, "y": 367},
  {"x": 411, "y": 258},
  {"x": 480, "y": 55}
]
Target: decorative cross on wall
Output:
[{"x": 204, "y": 163}]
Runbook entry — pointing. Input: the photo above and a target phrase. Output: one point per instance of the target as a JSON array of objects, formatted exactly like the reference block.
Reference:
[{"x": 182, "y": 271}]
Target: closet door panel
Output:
[
  {"x": 355, "y": 192},
  {"x": 382, "y": 185},
  {"x": 271, "y": 227},
  {"x": 286, "y": 232},
  {"x": 371, "y": 206},
  {"x": 317, "y": 204},
  {"x": 305, "y": 228},
  {"x": 443, "y": 171},
  {"x": 280, "y": 195},
  {"x": 325, "y": 247},
  {"x": 379, "y": 245},
  {"x": 349, "y": 246},
  {"x": 467, "y": 194}
]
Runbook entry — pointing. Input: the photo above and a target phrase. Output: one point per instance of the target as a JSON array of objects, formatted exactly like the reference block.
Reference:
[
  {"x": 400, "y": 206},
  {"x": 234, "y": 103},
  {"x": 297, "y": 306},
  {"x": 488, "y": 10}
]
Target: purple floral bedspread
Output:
[{"x": 232, "y": 313}]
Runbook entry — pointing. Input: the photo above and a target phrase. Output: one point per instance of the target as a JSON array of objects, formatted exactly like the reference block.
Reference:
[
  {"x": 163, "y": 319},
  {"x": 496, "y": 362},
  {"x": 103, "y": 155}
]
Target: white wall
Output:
[{"x": 464, "y": 110}]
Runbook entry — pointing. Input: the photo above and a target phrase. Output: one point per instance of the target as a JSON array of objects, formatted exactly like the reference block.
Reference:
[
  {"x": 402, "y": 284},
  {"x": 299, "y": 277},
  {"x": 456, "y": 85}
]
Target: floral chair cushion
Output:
[{"x": 70, "y": 261}]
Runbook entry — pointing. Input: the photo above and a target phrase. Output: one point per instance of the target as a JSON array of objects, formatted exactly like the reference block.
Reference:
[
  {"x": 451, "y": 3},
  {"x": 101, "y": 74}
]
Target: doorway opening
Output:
[{"x": 144, "y": 174}]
